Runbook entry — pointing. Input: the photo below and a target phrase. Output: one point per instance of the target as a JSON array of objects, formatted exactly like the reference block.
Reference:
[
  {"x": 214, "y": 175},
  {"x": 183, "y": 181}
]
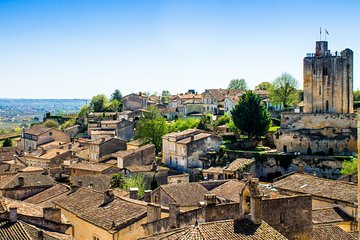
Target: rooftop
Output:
[
  {"x": 87, "y": 166},
  {"x": 330, "y": 232},
  {"x": 37, "y": 130},
  {"x": 31, "y": 179},
  {"x": 330, "y": 215},
  {"x": 115, "y": 215},
  {"x": 44, "y": 198},
  {"x": 319, "y": 187},
  {"x": 239, "y": 164},
  {"x": 197, "y": 137},
  {"x": 186, "y": 194},
  {"x": 227, "y": 229},
  {"x": 96, "y": 182}
]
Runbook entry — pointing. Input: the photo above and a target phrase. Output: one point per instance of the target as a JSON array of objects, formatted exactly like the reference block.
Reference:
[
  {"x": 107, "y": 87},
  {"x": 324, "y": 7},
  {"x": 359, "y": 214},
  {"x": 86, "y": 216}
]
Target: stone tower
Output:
[{"x": 328, "y": 81}]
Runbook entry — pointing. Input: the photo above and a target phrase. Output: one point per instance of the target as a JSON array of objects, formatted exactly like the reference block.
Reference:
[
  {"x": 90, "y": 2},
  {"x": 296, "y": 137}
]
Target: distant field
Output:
[{"x": 17, "y": 112}]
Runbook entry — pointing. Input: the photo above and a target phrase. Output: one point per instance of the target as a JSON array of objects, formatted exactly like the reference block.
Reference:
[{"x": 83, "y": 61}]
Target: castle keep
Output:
[
  {"x": 328, "y": 81},
  {"x": 328, "y": 124}
]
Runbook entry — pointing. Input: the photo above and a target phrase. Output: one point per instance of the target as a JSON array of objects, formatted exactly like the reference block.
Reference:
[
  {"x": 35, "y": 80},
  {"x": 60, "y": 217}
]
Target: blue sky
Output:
[{"x": 79, "y": 48}]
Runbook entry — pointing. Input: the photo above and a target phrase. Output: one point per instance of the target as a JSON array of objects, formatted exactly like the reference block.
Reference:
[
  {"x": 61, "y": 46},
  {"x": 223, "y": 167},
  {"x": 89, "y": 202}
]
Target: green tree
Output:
[
  {"x": 116, "y": 95},
  {"x": 99, "y": 103},
  {"x": 232, "y": 127},
  {"x": 117, "y": 180},
  {"x": 3, "y": 131},
  {"x": 238, "y": 84},
  {"x": 113, "y": 106},
  {"x": 223, "y": 120},
  {"x": 283, "y": 90},
  {"x": 356, "y": 96},
  {"x": 84, "y": 111},
  {"x": 68, "y": 123},
  {"x": 264, "y": 86},
  {"x": 138, "y": 181},
  {"x": 250, "y": 115},
  {"x": 181, "y": 124},
  {"x": 349, "y": 167},
  {"x": 165, "y": 93},
  {"x": 151, "y": 128},
  {"x": 51, "y": 124},
  {"x": 7, "y": 143},
  {"x": 206, "y": 123}
]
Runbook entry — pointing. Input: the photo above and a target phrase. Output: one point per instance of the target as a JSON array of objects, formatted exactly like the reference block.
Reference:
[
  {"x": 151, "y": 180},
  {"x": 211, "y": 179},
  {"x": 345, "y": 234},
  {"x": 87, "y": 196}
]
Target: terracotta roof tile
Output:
[
  {"x": 31, "y": 179},
  {"x": 96, "y": 167},
  {"x": 330, "y": 232},
  {"x": 228, "y": 230},
  {"x": 239, "y": 163},
  {"x": 96, "y": 182},
  {"x": 320, "y": 187},
  {"x": 37, "y": 130},
  {"x": 186, "y": 194},
  {"x": 89, "y": 206},
  {"x": 43, "y": 198},
  {"x": 330, "y": 215},
  {"x": 229, "y": 190}
]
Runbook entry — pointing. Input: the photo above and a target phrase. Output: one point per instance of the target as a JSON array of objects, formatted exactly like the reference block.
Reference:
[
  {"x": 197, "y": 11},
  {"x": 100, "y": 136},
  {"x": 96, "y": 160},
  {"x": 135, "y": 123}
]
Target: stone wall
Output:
[{"x": 291, "y": 216}]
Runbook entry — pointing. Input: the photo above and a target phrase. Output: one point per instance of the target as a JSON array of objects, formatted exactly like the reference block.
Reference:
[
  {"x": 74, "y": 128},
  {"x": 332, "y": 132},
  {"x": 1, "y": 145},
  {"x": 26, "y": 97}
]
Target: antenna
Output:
[{"x": 320, "y": 33}]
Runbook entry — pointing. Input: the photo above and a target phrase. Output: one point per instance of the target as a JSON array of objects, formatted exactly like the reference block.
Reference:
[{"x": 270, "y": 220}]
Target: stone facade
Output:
[
  {"x": 134, "y": 102},
  {"x": 328, "y": 125},
  {"x": 144, "y": 155},
  {"x": 102, "y": 147},
  {"x": 328, "y": 81}
]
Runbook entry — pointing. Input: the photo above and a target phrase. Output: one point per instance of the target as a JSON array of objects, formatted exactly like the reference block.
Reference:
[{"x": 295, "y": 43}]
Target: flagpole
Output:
[{"x": 320, "y": 33}]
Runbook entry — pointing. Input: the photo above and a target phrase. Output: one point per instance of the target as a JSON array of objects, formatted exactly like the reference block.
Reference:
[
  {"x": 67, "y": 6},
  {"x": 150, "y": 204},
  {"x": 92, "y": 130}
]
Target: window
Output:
[{"x": 282, "y": 218}]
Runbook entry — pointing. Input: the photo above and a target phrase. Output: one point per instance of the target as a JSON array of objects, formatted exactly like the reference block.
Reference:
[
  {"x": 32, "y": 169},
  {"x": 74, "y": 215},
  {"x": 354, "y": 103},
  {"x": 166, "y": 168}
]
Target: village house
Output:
[
  {"x": 123, "y": 129},
  {"x": 24, "y": 184},
  {"x": 37, "y": 135},
  {"x": 183, "y": 98},
  {"x": 102, "y": 215},
  {"x": 186, "y": 195},
  {"x": 25, "y": 221},
  {"x": 87, "y": 168},
  {"x": 178, "y": 178},
  {"x": 100, "y": 148},
  {"x": 324, "y": 192},
  {"x": 238, "y": 168},
  {"x": 135, "y": 101},
  {"x": 44, "y": 198},
  {"x": 288, "y": 216},
  {"x": 335, "y": 216},
  {"x": 188, "y": 149},
  {"x": 142, "y": 155}
]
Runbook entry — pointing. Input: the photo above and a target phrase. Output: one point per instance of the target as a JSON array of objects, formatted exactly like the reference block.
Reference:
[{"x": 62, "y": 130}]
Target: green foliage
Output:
[
  {"x": 7, "y": 143},
  {"x": 151, "y": 128},
  {"x": 206, "y": 123},
  {"x": 232, "y": 127},
  {"x": 264, "y": 86},
  {"x": 113, "y": 106},
  {"x": 283, "y": 90},
  {"x": 165, "y": 93},
  {"x": 238, "y": 84},
  {"x": 223, "y": 120},
  {"x": 17, "y": 130},
  {"x": 181, "y": 124},
  {"x": 136, "y": 180},
  {"x": 116, "y": 95},
  {"x": 3, "y": 131},
  {"x": 357, "y": 96},
  {"x": 84, "y": 111},
  {"x": 251, "y": 116},
  {"x": 117, "y": 181},
  {"x": 349, "y": 167},
  {"x": 68, "y": 123},
  {"x": 99, "y": 103},
  {"x": 51, "y": 124}
]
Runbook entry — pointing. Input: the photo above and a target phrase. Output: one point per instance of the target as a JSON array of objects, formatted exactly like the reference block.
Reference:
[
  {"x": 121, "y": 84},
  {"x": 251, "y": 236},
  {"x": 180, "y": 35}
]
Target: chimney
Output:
[
  {"x": 80, "y": 183},
  {"x": 13, "y": 214},
  {"x": 102, "y": 139},
  {"x": 147, "y": 196},
  {"x": 192, "y": 138},
  {"x": 20, "y": 181},
  {"x": 134, "y": 193},
  {"x": 301, "y": 168},
  {"x": 210, "y": 199},
  {"x": 73, "y": 188},
  {"x": 52, "y": 214},
  {"x": 174, "y": 212},
  {"x": 250, "y": 201},
  {"x": 40, "y": 235},
  {"x": 108, "y": 196},
  {"x": 153, "y": 212}
]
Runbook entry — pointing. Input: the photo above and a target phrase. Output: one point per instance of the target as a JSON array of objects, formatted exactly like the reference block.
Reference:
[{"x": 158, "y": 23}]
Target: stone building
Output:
[
  {"x": 37, "y": 135},
  {"x": 188, "y": 149},
  {"x": 144, "y": 155},
  {"x": 135, "y": 101},
  {"x": 100, "y": 148},
  {"x": 328, "y": 124},
  {"x": 328, "y": 80}
]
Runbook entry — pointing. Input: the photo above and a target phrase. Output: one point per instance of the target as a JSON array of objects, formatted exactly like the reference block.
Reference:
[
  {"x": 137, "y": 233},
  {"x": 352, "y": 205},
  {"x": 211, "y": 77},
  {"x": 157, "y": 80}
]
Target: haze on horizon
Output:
[{"x": 77, "y": 49}]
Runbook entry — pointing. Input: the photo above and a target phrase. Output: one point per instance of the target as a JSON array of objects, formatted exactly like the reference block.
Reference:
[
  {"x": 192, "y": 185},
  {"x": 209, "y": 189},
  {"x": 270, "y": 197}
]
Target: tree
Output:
[
  {"x": 264, "y": 86},
  {"x": 238, "y": 84},
  {"x": 349, "y": 167},
  {"x": 117, "y": 181},
  {"x": 98, "y": 103},
  {"x": 357, "y": 96},
  {"x": 84, "y": 111},
  {"x": 181, "y": 124},
  {"x": 250, "y": 115},
  {"x": 113, "y": 106},
  {"x": 116, "y": 95},
  {"x": 7, "y": 143},
  {"x": 165, "y": 93},
  {"x": 223, "y": 120},
  {"x": 51, "y": 124},
  {"x": 138, "y": 181},
  {"x": 68, "y": 123},
  {"x": 283, "y": 90},
  {"x": 151, "y": 128}
]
